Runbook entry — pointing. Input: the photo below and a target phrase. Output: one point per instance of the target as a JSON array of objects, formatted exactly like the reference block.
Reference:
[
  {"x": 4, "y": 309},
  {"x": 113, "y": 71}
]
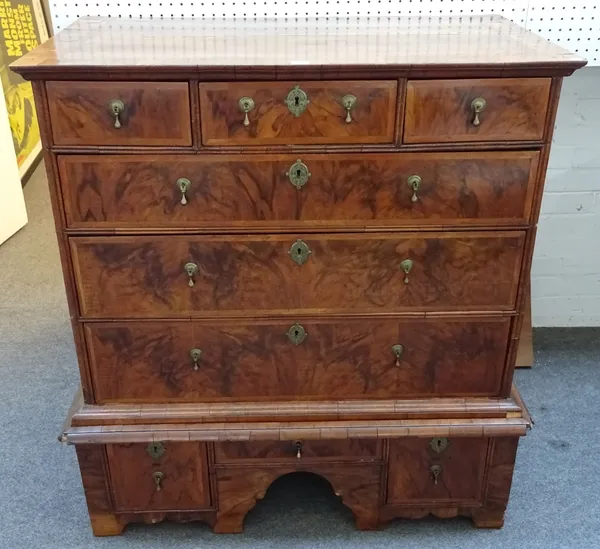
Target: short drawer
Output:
[
  {"x": 503, "y": 109},
  {"x": 169, "y": 361},
  {"x": 298, "y": 451},
  {"x": 296, "y": 113},
  {"x": 159, "y": 476},
  {"x": 278, "y": 191},
  {"x": 170, "y": 276},
  {"x": 448, "y": 470},
  {"x": 120, "y": 113}
]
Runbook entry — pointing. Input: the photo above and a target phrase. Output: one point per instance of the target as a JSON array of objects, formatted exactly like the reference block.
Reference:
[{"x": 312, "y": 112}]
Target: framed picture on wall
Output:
[{"x": 23, "y": 27}]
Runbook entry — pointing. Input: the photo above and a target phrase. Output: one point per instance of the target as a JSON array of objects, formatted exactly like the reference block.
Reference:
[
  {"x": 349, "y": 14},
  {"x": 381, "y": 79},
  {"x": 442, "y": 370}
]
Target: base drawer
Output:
[
  {"x": 298, "y": 451},
  {"x": 159, "y": 476},
  {"x": 434, "y": 470}
]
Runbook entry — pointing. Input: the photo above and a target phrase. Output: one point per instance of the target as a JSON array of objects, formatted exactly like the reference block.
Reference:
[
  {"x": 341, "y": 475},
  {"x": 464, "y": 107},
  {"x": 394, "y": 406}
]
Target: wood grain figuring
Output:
[
  {"x": 184, "y": 485},
  {"x": 343, "y": 190},
  {"x": 150, "y": 361},
  {"x": 357, "y": 450},
  {"x": 145, "y": 277},
  {"x": 156, "y": 113},
  {"x": 323, "y": 121},
  {"x": 440, "y": 111},
  {"x": 460, "y": 481}
]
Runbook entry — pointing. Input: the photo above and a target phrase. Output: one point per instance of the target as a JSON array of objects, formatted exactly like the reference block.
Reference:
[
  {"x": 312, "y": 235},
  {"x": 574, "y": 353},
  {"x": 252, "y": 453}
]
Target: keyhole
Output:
[
  {"x": 299, "y": 251},
  {"x": 296, "y": 333},
  {"x": 439, "y": 443},
  {"x": 298, "y": 173},
  {"x": 297, "y": 101}
]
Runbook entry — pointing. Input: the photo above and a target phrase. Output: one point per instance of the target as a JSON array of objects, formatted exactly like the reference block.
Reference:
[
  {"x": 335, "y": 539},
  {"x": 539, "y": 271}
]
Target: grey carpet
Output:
[{"x": 555, "y": 501}]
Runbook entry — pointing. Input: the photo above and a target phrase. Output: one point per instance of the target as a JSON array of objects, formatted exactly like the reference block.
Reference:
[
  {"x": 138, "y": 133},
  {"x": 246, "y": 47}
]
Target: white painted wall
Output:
[{"x": 565, "y": 277}]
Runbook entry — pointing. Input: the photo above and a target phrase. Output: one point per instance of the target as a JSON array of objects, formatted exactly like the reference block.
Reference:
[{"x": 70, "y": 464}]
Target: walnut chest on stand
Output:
[{"x": 296, "y": 245}]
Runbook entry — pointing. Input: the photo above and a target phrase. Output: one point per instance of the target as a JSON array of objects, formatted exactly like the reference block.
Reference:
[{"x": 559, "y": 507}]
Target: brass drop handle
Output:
[
  {"x": 407, "y": 266},
  {"x": 191, "y": 269},
  {"x": 414, "y": 182},
  {"x": 477, "y": 106},
  {"x": 246, "y": 105},
  {"x": 435, "y": 471},
  {"x": 158, "y": 478},
  {"x": 116, "y": 108},
  {"x": 349, "y": 102},
  {"x": 398, "y": 350},
  {"x": 195, "y": 355},
  {"x": 298, "y": 450},
  {"x": 184, "y": 186}
]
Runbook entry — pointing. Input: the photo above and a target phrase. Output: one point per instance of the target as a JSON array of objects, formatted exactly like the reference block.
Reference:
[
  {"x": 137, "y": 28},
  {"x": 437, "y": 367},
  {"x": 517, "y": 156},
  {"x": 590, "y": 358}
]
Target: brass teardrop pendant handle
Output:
[
  {"x": 246, "y": 104},
  {"x": 184, "y": 186},
  {"x": 348, "y": 102},
  {"x": 398, "y": 350},
  {"x": 195, "y": 355},
  {"x": 190, "y": 269},
  {"x": 477, "y": 106},
  {"x": 414, "y": 182},
  {"x": 298, "y": 450},
  {"x": 158, "y": 478},
  {"x": 406, "y": 266},
  {"x": 435, "y": 471},
  {"x": 116, "y": 108}
]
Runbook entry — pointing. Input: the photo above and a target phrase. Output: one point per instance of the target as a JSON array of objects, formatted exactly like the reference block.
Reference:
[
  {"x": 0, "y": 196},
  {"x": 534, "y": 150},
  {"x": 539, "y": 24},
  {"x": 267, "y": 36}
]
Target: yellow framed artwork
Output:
[{"x": 23, "y": 28}]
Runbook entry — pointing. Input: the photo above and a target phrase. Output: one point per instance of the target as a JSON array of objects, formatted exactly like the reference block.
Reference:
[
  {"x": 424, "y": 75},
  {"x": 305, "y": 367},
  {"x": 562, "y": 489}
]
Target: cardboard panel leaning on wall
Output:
[{"x": 565, "y": 278}]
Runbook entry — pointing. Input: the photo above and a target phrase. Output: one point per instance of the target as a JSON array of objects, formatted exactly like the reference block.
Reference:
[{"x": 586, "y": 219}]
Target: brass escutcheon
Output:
[
  {"x": 299, "y": 252},
  {"x": 297, "y": 101},
  {"x": 116, "y": 108},
  {"x": 155, "y": 450},
  {"x": 439, "y": 444},
  {"x": 298, "y": 174},
  {"x": 477, "y": 106},
  {"x": 296, "y": 334}
]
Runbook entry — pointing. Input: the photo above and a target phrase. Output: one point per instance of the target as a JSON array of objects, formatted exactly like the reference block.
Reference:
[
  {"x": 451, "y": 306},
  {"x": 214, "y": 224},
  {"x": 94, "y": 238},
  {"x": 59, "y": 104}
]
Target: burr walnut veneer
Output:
[{"x": 296, "y": 245}]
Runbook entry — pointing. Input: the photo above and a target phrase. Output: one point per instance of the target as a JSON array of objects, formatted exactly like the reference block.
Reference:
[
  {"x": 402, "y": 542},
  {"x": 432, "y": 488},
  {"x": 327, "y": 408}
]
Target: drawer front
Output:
[
  {"x": 170, "y": 476},
  {"x": 336, "y": 359},
  {"x": 151, "y": 113},
  {"x": 282, "y": 113},
  {"x": 298, "y": 451},
  {"x": 150, "y": 276},
  {"x": 275, "y": 191},
  {"x": 452, "y": 472},
  {"x": 504, "y": 109}
]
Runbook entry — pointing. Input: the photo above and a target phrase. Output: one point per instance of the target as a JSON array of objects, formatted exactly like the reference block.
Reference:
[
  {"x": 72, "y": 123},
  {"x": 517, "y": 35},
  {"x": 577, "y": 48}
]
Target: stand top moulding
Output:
[{"x": 268, "y": 49}]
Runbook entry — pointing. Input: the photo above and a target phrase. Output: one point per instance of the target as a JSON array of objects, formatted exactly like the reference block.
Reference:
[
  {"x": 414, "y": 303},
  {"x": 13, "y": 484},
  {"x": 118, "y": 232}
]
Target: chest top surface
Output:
[{"x": 240, "y": 48}]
